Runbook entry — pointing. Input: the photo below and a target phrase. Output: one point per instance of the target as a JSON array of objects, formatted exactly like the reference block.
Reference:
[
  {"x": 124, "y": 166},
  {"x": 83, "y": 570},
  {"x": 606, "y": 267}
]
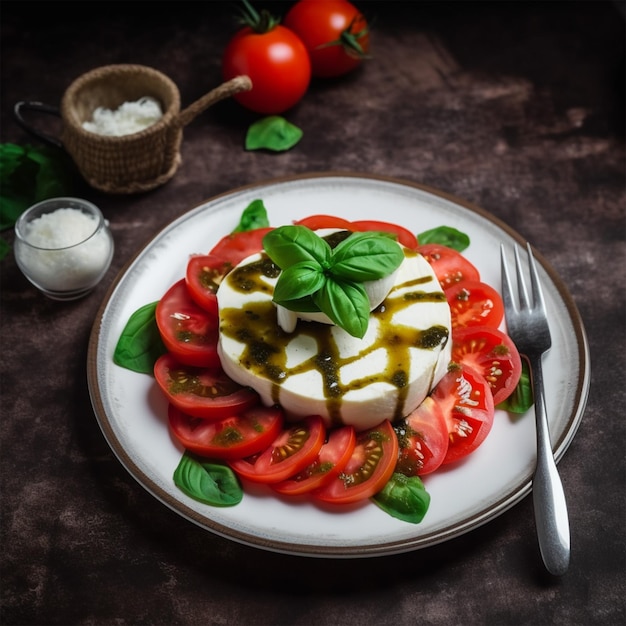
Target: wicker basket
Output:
[{"x": 143, "y": 160}]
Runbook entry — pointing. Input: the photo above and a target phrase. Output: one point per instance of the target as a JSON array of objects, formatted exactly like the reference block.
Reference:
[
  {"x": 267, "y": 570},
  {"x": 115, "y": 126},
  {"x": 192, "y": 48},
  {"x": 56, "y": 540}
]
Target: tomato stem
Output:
[
  {"x": 259, "y": 22},
  {"x": 350, "y": 41}
]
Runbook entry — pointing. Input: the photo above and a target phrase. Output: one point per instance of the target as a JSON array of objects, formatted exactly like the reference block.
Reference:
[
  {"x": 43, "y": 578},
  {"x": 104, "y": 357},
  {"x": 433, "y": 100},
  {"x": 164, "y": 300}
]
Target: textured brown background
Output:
[{"x": 516, "y": 107}]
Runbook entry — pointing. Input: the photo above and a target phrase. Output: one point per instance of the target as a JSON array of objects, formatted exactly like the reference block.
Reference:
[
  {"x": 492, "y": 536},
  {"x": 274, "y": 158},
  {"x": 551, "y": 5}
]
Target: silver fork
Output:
[{"x": 527, "y": 325}]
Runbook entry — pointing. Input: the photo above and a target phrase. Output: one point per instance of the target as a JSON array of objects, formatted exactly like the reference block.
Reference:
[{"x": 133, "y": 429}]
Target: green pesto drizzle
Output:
[{"x": 255, "y": 326}]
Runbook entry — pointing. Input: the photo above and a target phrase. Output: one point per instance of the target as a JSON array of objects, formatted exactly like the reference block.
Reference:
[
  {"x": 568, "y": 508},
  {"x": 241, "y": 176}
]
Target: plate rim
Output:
[{"x": 384, "y": 549}]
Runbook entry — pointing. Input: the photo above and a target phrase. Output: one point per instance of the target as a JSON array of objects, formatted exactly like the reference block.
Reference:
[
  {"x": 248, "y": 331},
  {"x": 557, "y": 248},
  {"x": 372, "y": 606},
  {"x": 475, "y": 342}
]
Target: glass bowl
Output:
[{"x": 63, "y": 246}]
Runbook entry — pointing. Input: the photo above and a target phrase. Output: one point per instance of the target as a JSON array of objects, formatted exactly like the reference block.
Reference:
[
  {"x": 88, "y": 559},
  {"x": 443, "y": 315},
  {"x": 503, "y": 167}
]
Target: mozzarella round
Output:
[{"x": 314, "y": 368}]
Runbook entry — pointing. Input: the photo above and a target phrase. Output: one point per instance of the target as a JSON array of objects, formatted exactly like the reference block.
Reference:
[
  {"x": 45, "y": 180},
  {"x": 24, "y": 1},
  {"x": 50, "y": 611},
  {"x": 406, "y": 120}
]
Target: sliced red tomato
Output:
[
  {"x": 233, "y": 437},
  {"x": 203, "y": 276},
  {"x": 201, "y": 392},
  {"x": 491, "y": 353},
  {"x": 422, "y": 440},
  {"x": 450, "y": 266},
  {"x": 467, "y": 405},
  {"x": 296, "y": 447},
  {"x": 316, "y": 222},
  {"x": 332, "y": 458},
  {"x": 474, "y": 303},
  {"x": 189, "y": 332},
  {"x": 235, "y": 247},
  {"x": 405, "y": 236},
  {"x": 370, "y": 467}
]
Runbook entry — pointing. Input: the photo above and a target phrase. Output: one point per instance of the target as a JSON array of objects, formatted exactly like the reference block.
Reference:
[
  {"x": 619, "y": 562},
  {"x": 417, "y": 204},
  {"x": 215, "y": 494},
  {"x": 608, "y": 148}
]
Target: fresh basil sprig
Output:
[
  {"x": 210, "y": 482},
  {"x": 445, "y": 236},
  {"x": 404, "y": 497},
  {"x": 316, "y": 277},
  {"x": 140, "y": 344},
  {"x": 253, "y": 216}
]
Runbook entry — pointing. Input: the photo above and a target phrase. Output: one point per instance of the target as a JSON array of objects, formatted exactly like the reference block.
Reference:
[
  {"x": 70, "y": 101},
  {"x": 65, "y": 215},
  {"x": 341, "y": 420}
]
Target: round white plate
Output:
[{"x": 132, "y": 412}]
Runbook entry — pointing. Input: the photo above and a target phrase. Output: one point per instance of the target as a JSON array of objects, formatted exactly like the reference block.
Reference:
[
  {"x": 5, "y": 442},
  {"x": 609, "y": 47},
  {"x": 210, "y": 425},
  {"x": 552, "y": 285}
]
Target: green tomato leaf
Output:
[
  {"x": 140, "y": 345},
  {"x": 211, "y": 483},
  {"x": 298, "y": 281},
  {"x": 404, "y": 497},
  {"x": 288, "y": 245},
  {"x": 522, "y": 397},
  {"x": 445, "y": 236},
  {"x": 272, "y": 133},
  {"x": 366, "y": 256},
  {"x": 253, "y": 216},
  {"x": 346, "y": 304}
]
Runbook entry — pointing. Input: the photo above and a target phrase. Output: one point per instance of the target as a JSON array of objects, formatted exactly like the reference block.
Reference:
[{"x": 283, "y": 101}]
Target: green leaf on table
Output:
[
  {"x": 522, "y": 397},
  {"x": 211, "y": 483},
  {"x": 29, "y": 175},
  {"x": 445, "y": 236},
  {"x": 404, "y": 497},
  {"x": 140, "y": 344},
  {"x": 272, "y": 133},
  {"x": 253, "y": 216}
]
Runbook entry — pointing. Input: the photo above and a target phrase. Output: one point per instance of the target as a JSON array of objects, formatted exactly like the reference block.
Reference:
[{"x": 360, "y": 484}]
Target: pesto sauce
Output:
[{"x": 265, "y": 353}]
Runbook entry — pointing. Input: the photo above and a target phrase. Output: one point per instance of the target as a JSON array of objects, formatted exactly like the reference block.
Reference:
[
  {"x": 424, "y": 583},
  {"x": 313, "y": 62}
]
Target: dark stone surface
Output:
[{"x": 516, "y": 107}]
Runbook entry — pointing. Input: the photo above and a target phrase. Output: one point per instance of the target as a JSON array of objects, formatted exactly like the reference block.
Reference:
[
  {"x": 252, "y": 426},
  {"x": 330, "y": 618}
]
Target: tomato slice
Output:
[
  {"x": 370, "y": 467},
  {"x": 316, "y": 222},
  {"x": 422, "y": 440},
  {"x": 203, "y": 277},
  {"x": 450, "y": 266},
  {"x": 235, "y": 247},
  {"x": 296, "y": 447},
  {"x": 405, "y": 236},
  {"x": 201, "y": 392},
  {"x": 467, "y": 405},
  {"x": 233, "y": 437},
  {"x": 188, "y": 332},
  {"x": 491, "y": 353},
  {"x": 474, "y": 303},
  {"x": 332, "y": 458}
]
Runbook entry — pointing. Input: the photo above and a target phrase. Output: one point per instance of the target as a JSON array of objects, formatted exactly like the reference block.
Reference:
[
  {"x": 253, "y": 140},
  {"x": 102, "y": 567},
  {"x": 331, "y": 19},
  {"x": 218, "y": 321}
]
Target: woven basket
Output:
[{"x": 143, "y": 160}]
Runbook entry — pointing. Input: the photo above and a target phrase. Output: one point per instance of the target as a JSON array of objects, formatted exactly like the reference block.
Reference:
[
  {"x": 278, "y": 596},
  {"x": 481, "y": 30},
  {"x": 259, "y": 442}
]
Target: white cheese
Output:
[
  {"x": 128, "y": 118},
  {"x": 321, "y": 369},
  {"x": 65, "y": 251}
]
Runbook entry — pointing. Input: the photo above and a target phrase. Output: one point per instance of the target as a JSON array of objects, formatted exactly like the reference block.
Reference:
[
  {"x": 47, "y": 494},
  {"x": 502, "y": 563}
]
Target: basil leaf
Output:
[
  {"x": 272, "y": 133},
  {"x": 298, "y": 281},
  {"x": 28, "y": 175},
  {"x": 346, "y": 304},
  {"x": 140, "y": 344},
  {"x": 522, "y": 397},
  {"x": 287, "y": 245},
  {"x": 366, "y": 256},
  {"x": 301, "y": 305},
  {"x": 404, "y": 497},
  {"x": 212, "y": 483},
  {"x": 253, "y": 216},
  {"x": 446, "y": 236}
]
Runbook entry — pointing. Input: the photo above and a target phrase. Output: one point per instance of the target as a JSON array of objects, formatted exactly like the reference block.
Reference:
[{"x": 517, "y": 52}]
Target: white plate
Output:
[{"x": 132, "y": 412}]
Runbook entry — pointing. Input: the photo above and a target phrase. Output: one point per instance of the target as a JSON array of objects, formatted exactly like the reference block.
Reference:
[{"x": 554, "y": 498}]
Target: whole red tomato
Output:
[
  {"x": 334, "y": 32},
  {"x": 273, "y": 57}
]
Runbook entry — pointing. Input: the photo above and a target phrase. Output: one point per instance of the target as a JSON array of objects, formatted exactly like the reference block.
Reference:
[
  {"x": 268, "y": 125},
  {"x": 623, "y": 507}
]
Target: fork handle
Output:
[{"x": 551, "y": 516}]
